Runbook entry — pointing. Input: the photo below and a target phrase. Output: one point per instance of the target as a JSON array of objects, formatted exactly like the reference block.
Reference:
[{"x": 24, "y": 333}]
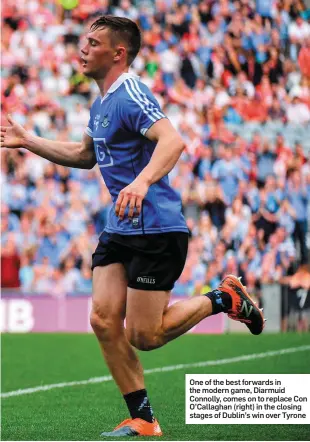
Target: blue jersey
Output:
[{"x": 118, "y": 124}]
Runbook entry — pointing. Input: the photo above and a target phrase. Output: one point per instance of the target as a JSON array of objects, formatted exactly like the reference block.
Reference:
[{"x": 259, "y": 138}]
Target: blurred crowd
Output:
[{"x": 234, "y": 79}]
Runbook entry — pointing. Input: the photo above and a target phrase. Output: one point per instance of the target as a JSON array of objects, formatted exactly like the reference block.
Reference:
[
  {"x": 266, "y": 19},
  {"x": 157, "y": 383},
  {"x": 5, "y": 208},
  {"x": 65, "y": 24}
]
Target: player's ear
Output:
[{"x": 120, "y": 53}]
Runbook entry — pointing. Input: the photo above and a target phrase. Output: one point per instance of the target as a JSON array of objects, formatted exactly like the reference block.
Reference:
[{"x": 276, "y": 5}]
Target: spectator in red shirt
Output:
[
  {"x": 304, "y": 58},
  {"x": 282, "y": 150},
  {"x": 264, "y": 91},
  {"x": 254, "y": 110},
  {"x": 10, "y": 264}
]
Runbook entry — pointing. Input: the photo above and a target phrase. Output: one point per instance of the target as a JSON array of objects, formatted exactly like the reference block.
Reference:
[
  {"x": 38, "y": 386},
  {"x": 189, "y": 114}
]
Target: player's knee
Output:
[
  {"x": 99, "y": 324},
  {"x": 103, "y": 327},
  {"x": 144, "y": 340}
]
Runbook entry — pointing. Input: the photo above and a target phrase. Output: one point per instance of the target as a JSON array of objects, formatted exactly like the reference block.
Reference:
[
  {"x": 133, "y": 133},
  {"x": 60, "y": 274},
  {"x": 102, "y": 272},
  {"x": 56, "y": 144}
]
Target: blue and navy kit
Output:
[{"x": 118, "y": 124}]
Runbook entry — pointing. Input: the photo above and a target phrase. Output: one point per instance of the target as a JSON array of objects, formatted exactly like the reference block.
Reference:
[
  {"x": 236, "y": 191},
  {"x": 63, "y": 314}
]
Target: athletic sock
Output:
[
  {"x": 139, "y": 405},
  {"x": 221, "y": 301}
]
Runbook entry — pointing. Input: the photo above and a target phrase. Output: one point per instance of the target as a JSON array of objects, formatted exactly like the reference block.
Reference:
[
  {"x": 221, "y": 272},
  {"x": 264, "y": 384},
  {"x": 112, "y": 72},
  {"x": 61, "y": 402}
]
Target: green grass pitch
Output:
[{"x": 82, "y": 412}]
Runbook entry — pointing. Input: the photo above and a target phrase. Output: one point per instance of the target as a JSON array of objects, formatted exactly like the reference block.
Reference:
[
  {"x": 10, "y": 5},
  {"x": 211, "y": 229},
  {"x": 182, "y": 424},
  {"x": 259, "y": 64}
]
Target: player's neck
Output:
[{"x": 104, "y": 84}]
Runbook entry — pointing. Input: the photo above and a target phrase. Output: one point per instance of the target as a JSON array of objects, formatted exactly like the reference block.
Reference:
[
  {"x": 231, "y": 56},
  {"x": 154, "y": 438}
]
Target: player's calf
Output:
[{"x": 145, "y": 340}]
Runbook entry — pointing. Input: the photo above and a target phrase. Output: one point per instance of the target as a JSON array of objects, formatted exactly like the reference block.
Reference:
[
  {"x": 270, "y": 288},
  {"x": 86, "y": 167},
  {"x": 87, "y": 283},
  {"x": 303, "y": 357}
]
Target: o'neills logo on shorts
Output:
[{"x": 146, "y": 279}]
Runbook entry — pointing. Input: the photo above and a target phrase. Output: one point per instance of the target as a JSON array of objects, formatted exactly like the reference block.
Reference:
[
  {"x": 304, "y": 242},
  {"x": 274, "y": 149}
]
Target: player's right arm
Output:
[{"x": 66, "y": 153}]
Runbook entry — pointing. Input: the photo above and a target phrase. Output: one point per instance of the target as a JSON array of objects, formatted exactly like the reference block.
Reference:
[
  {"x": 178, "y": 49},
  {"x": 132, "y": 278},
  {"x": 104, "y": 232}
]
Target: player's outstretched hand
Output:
[
  {"x": 12, "y": 136},
  {"x": 131, "y": 196}
]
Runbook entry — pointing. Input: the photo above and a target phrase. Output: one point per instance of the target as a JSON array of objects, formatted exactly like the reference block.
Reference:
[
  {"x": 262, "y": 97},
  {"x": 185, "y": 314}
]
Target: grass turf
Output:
[{"x": 82, "y": 412}]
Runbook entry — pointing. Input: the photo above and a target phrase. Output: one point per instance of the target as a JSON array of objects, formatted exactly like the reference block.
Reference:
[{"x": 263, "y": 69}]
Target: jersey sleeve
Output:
[
  {"x": 90, "y": 127},
  {"x": 140, "y": 110}
]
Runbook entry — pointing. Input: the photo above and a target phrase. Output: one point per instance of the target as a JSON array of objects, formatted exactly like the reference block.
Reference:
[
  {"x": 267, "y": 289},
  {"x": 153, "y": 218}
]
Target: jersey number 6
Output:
[{"x": 104, "y": 157}]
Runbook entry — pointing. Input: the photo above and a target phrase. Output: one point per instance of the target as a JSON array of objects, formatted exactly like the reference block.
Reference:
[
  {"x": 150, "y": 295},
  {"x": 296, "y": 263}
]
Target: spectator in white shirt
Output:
[
  {"x": 126, "y": 9},
  {"x": 297, "y": 112},
  {"x": 56, "y": 84},
  {"x": 297, "y": 31},
  {"x": 77, "y": 118},
  {"x": 170, "y": 63},
  {"x": 71, "y": 276},
  {"x": 222, "y": 98}
]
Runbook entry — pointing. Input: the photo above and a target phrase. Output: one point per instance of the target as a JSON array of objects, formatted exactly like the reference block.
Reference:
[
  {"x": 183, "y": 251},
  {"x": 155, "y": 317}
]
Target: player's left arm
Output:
[{"x": 166, "y": 154}]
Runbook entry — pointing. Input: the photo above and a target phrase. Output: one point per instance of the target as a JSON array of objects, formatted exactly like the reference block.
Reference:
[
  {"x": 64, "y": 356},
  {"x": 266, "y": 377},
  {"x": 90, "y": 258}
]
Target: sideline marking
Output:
[{"x": 100, "y": 379}]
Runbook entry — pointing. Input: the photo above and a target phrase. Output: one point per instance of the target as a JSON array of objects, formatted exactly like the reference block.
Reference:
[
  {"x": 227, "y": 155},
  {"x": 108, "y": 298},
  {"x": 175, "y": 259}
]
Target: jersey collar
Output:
[{"x": 117, "y": 83}]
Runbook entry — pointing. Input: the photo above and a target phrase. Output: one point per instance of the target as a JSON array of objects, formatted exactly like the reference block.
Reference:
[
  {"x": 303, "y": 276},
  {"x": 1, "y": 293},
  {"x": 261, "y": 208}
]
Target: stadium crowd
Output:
[{"x": 232, "y": 76}]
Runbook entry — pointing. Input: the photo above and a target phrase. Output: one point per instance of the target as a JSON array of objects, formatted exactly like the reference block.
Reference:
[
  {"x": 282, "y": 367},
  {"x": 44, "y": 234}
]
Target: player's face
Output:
[{"x": 98, "y": 55}]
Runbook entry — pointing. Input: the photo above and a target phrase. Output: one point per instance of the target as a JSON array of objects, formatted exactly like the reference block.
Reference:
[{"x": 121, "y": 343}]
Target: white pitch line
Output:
[{"x": 100, "y": 379}]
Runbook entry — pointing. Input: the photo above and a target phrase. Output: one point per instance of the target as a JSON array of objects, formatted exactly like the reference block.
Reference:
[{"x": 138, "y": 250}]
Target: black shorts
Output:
[{"x": 152, "y": 262}]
